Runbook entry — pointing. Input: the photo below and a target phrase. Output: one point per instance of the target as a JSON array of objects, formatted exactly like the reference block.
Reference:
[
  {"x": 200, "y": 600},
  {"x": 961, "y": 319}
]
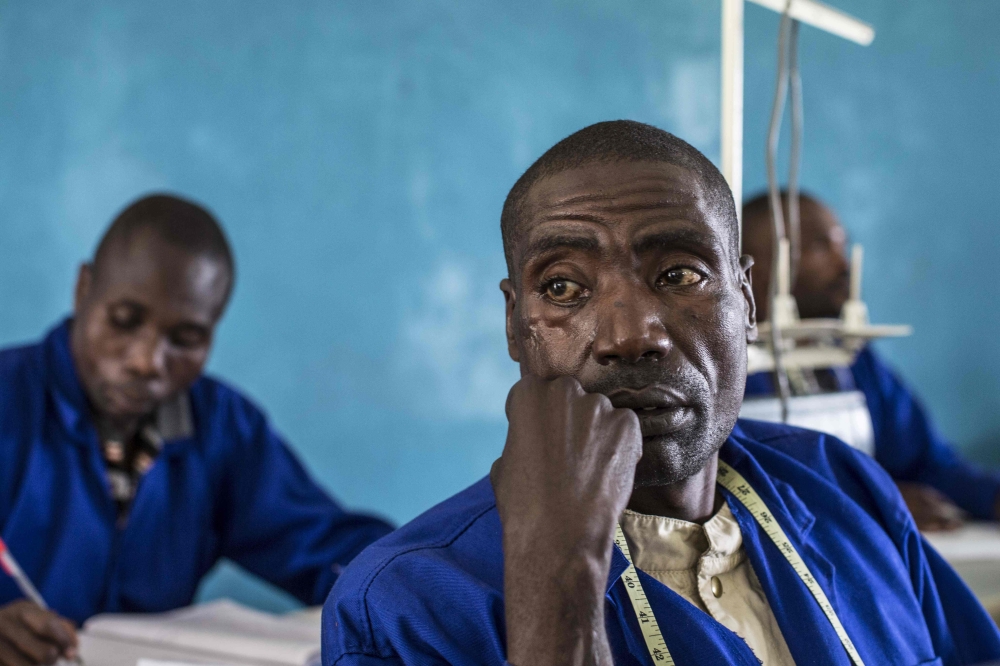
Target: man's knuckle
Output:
[
  {"x": 602, "y": 401},
  {"x": 567, "y": 385},
  {"x": 561, "y": 384},
  {"x": 623, "y": 418},
  {"x": 589, "y": 401}
]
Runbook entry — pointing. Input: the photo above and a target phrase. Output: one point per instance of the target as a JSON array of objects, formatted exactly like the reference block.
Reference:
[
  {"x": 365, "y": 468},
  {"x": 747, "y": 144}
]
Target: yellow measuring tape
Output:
[
  {"x": 732, "y": 481},
  {"x": 640, "y": 604}
]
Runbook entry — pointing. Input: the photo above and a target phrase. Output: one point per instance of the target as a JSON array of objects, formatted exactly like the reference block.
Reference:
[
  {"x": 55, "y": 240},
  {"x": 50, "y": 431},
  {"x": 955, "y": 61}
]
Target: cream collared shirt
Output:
[{"x": 686, "y": 557}]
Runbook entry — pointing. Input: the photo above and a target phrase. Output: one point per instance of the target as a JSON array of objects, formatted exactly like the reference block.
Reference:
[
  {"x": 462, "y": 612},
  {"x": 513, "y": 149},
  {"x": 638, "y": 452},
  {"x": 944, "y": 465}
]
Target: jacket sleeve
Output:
[
  {"x": 972, "y": 635},
  {"x": 960, "y": 629},
  {"x": 909, "y": 446},
  {"x": 278, "y": 523}
]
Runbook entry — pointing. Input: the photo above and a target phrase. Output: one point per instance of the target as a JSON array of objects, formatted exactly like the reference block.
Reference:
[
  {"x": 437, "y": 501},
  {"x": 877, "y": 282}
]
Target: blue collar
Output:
[
  {"x": 64, "y": 385},
  {"x": 781, "y": 500}
]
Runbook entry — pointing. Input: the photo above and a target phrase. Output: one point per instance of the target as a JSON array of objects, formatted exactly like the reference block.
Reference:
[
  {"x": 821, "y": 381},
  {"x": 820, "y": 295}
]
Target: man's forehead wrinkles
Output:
[
  {"x": 621, "y": 202},
  {"x": 657, "y": 235},
  {"x": 615, "y": 207},
  {"x": 642, "y": 194}
]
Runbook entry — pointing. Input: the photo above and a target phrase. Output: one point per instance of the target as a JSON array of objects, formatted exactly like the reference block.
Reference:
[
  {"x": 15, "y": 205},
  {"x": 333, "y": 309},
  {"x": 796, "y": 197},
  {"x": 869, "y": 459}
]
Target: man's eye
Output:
[
  {"x": 187, "y": 338},
  {"x": 560, "y": 290},
  {"x": 125, "y": 317},
  {"x": 680, "y": 277}
]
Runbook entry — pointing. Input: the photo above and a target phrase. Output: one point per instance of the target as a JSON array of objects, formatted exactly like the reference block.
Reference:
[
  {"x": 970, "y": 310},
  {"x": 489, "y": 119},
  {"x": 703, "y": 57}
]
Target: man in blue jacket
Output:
[
  {"x": 630, "y": 517},
  {"x": 932, "y": 477},
  {"x": 125, "y": 473}
]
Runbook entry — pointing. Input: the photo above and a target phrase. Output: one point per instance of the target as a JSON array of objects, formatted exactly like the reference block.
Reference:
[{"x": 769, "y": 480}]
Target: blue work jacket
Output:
[
  {"x": 907, "y": 443},
  {"x": 432, "y": 592},
  {"x": 233, "y": 489}
]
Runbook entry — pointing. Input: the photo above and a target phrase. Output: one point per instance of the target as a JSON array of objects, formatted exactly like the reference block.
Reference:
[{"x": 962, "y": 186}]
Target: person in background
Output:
[
  {"x": 125, "y": 472},
  {"x": 936, "y": 483},
  {"x": 629, "y": 310}
]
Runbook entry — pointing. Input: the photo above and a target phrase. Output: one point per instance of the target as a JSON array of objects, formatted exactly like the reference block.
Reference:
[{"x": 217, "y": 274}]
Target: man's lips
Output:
[
  {"x": 661, "y": 411},
  {"x": 651, "y": 398},
  {"x": 130, "y": 398}
]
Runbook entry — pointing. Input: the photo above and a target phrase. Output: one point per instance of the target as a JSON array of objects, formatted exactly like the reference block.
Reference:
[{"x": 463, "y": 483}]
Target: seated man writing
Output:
[
  {"x": 629, "y": 310},
  {"x": 125, "y": 474},
  {"x": 931, "y": 476}
]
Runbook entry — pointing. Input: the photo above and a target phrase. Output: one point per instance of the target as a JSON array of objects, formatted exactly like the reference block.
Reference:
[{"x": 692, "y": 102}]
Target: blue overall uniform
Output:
[
  {"x": 907, "y": 444},
  {"x": 432, "y": 592},
  {"x": 231, "y": 489}
]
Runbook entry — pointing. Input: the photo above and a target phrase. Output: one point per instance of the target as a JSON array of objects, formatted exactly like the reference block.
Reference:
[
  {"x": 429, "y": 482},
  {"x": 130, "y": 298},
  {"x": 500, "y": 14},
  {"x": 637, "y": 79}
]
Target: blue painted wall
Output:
[{"x": 359, "y": 152}]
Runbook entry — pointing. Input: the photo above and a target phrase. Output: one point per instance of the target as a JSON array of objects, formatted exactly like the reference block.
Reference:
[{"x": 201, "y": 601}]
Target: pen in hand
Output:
[{"x": 13, "y": 569}]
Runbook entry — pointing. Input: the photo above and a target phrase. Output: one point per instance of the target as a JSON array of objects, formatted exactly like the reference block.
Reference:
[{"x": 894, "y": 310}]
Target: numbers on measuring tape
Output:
[
  {"x": 732, "y": 481},
  {"x": 651, "y": 634}
]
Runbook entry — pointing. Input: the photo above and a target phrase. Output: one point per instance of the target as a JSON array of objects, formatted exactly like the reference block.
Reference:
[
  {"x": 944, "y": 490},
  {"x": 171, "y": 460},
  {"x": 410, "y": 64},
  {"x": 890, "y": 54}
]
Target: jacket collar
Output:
[
  {"x": 64, "y": 385},
  {"x": 781, "y": 500}
]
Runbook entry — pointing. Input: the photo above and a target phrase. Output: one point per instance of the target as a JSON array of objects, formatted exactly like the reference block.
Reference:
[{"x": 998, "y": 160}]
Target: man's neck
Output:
[
  {"x": 695, "y": 499},
  {"x": 122, "y": 429}
]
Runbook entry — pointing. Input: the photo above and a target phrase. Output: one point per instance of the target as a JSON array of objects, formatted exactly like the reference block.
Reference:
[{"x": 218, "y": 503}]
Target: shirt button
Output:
[{"x": 716, "y": 587}]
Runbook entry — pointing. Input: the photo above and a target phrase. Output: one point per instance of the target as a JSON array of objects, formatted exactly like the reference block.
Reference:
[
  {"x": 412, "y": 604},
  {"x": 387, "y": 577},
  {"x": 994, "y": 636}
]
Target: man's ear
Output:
[
  {"x": 510, "y": 300},
  {"x": 749, "y": 305},
  {"x": 84, "y": 284}
]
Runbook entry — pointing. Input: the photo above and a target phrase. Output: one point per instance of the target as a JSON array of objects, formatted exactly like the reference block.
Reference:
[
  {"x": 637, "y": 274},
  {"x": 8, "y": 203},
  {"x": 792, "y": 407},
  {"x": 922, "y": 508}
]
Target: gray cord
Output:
[
  {"x": 795, "y": 153},
  {"x": 774, "y": 198}
]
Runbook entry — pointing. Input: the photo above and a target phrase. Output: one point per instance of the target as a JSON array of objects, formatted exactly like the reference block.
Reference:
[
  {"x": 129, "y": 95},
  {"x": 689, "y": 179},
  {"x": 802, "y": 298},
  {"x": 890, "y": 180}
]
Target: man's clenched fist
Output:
[{"x": 563, "y": 480}]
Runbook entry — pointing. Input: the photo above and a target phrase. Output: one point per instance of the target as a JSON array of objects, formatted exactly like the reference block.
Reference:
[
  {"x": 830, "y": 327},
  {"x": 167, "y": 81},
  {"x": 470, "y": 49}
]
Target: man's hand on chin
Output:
[{"x": 563, "y": 480}]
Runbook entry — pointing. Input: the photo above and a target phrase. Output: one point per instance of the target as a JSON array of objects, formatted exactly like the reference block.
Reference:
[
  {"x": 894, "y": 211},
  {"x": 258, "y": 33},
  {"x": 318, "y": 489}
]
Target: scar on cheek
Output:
[
  {"x": 527, "y": 331},
  {"x": 534, "y": 335}
]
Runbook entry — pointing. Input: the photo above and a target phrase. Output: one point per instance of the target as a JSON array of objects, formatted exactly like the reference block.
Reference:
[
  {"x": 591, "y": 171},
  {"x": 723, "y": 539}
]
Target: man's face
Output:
[
  {"x": 625, "y": 280},
  {"x": 143, "y": 326},
  {"x": 823, "y": 282}
]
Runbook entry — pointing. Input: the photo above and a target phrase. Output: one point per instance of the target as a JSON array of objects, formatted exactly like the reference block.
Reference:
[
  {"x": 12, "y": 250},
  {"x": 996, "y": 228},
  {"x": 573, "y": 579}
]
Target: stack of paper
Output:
[
  {"x": 974, "y": 541},
  {"x": 221, "y": 633}
]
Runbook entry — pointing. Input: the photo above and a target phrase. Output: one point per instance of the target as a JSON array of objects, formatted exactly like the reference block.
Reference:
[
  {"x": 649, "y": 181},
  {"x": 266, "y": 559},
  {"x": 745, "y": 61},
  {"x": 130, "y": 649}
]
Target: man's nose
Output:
[
  {"x": 147, "y": 355},
  {"x": 630, "y": 329}
]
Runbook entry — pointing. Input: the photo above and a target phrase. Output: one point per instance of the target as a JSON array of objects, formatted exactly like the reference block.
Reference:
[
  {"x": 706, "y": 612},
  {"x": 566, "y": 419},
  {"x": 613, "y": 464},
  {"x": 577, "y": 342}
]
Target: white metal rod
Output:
[
  {"x": 823, "y": 17},
  {"x": 784, "y": 268},
  {"x": 857, "y": 256},
  {"x": 731, "y": 137}
]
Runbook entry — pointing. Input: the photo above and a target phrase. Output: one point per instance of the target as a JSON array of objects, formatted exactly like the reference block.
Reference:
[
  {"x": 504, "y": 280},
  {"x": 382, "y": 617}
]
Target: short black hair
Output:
[
  {"x": 174, "y": 220},
  {"x": 617, "y": 141}
]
